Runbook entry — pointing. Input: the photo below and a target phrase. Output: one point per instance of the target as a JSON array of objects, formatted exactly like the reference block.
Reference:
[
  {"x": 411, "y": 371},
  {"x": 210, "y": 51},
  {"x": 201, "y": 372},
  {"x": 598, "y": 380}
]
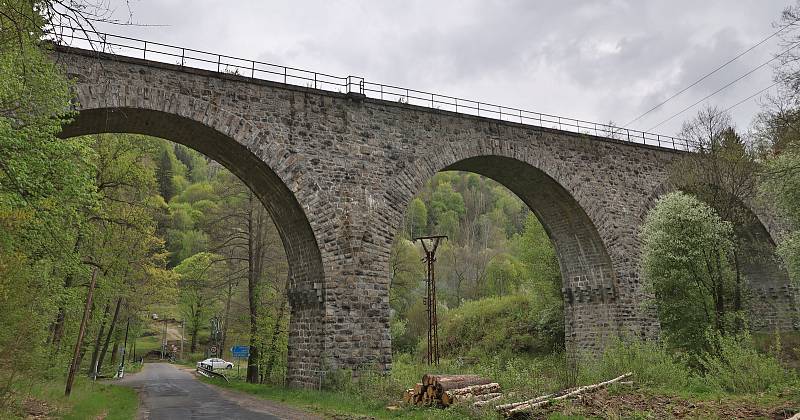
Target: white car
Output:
[{"x": 214, "y": 363}]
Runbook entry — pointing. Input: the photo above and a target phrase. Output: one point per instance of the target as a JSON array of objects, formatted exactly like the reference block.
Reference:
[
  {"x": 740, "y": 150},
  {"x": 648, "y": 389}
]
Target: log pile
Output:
[{"x": 446, "y": 390}]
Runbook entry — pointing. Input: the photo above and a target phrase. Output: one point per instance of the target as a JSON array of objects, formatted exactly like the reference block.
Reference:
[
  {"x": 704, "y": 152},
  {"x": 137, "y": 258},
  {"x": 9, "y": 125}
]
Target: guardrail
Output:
[
  {"x": 209, "y": 373},
  {"x": 188, "y": 57}
]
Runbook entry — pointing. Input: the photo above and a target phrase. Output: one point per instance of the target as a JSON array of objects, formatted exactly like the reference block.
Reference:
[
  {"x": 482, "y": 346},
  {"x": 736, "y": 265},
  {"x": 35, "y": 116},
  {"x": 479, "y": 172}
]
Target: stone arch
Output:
[
  {"x": 266, "y": 169},
  {"x": 772, "y": 301},
  {"x": 590, "y": 279}
]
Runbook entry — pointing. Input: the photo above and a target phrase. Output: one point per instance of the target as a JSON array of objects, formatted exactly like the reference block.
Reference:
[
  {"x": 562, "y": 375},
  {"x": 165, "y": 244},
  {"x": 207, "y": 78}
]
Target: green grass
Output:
[
  {"x": 338, "y": 403},
  {"x": 656, "y": 375},
  {"x": 88, "y": 400}
]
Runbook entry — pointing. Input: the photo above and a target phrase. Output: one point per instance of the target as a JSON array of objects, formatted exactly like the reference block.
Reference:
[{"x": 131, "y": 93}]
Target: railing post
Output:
[
  {"x": 456, "y": 104},
  {"x": 559, "y": 123},
  {"x": 253, "y": 70},
  {"x": 361, "y": 87},
  {"x": 381, "y": 92},
  {"x": 432, "y": 105},
  {"x": 315, "y": 80},
  {"x": 408, "y": 100},
  {"x": 219, "y": 61},
  {"x": 501, "y": 112},
  {"x": 144, "y": 51},
  {"x": 520, "y": 117},
  {"x": 479, "y": 108},
  {"x": 658, "y": 138},
  {"x": 183, "y": 54}
]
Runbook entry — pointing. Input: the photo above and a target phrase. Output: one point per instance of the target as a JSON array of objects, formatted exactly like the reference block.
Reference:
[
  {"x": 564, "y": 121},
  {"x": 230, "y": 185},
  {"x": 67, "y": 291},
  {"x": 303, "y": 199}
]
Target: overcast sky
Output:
[{"x": 594, "y": 60}]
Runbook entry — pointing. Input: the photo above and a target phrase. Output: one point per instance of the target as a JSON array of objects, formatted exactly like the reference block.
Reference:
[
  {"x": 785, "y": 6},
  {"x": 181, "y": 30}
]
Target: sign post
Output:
[{"x": 240, "y": 352}]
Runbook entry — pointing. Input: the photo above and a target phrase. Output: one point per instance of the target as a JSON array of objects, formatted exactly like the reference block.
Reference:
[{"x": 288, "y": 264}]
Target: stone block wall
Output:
[{"x": 336, "y": 172}]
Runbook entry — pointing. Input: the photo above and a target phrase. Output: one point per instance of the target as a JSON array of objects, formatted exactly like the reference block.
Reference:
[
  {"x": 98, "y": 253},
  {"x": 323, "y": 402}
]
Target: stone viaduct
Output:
[{"x": 336, "y": 172}]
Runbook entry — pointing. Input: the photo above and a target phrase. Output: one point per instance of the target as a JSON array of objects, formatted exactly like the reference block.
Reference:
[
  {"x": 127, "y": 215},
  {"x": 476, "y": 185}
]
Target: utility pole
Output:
[
  {"x": 73, "y": 366},
  {"x": 429, "y": 245}
]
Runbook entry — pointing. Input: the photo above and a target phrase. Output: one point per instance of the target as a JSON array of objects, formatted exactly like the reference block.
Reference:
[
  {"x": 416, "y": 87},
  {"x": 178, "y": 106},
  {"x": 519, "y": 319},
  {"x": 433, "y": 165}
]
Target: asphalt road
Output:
[{"x": 167, "y": 392}]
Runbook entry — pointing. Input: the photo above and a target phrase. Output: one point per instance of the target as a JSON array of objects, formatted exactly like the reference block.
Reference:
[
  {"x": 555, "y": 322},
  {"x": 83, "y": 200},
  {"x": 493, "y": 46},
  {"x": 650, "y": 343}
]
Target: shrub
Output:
[
  {"x": 508, "y": 325},
  {"x": 652, "y": 364},
  {"x": 737, "y": 367}
]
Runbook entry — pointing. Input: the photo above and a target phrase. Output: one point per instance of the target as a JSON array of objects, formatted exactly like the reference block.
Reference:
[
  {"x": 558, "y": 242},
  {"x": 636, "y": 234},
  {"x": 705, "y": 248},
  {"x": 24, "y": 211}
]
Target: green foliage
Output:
[
  {"x": 504, "y": 275},
  {"x": 46, "y": 190},
  {"x": 653, "y": 365},
  {"x": 445, "y": 208},
  {"x": 782, "y": 186},
  {"x": 407, "y": 275},
  {"x": 197, "y": 298},
  {"x": 165, "y": 173},
  {"x": 736, "y": 367},
  {"x": 89, "y": 400},
  {"x": 416, "y": 218},
  {"x": 538, "y": 256},
  {"x": 685, "y": 261},
  {"x": 507, "y": 325}
]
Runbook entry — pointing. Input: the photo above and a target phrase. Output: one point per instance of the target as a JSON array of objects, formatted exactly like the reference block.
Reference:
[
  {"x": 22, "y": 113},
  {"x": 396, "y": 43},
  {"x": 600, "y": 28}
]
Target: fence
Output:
[{"x": 187, "y": 57}]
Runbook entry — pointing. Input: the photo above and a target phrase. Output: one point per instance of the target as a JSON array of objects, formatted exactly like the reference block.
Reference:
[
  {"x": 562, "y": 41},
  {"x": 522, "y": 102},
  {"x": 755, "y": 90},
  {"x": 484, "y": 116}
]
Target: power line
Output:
[
  {"x": 707, "y": 75},
  {"x": 750, "y": 97},
  {"x": 726, "y": 86}
]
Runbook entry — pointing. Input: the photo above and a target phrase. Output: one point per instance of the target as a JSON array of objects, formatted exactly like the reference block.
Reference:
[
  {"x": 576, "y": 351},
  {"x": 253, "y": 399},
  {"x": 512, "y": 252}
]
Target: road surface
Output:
[{"x": 167, "y": 392}]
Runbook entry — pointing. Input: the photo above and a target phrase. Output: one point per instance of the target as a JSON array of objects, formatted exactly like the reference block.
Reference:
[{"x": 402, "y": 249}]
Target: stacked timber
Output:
[{"x": 446, "y": 390}]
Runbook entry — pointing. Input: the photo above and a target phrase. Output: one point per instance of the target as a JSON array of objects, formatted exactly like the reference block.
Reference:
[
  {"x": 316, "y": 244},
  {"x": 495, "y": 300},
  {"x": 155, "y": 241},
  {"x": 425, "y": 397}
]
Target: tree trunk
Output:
[
  {"x": 276, "y": 331},
  {"x": 114, "y": 353},
  {"x": 255, "y": 248},
  {"x": 96, "y": 351},
  {"x": 720, "y": 297},
  {"x": 193, "y": 347},
  {"x": 73, "y": 368},
  {"x": 225, "y": 318},
  {"x": 108, "y": 337},
  {"x": 58, "y": 328}
]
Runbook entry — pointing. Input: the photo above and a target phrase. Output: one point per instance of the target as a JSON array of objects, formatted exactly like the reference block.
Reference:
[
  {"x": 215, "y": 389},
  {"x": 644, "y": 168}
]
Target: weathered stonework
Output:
[{"x": 337, "y": 171}]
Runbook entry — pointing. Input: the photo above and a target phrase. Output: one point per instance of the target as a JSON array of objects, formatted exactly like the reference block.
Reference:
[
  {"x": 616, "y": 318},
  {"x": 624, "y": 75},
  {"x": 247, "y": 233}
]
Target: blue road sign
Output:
[{"x": 240, "y": 351}]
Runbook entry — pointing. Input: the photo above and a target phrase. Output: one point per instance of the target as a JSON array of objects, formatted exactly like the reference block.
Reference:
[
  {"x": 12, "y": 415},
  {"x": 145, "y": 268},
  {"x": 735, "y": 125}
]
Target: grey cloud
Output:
[{"x": 592, "y": 60}]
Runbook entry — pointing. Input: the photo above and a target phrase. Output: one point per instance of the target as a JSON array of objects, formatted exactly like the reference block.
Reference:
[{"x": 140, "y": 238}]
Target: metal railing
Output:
[{"x": 188, "y": 57}]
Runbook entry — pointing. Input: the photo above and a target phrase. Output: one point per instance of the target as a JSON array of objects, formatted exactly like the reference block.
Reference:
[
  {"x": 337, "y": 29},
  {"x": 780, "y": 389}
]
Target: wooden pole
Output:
[{"x": 73, "y": 367}]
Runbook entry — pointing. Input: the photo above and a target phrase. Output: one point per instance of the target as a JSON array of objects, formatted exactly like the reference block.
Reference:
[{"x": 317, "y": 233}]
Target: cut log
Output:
[
  {"x": 475, "y": 389},
  {"x": 489, "y": 398},
  {"x": 453, "y": 381},
  {"x": 463, "y": 398},
  {"x": 407, "y": 395},
  {"x": 510, "y": 406},
  {"x": 548, "y": 399},
  {"x": 418, "y": 387},
  {"x": 459, "y": 381}
]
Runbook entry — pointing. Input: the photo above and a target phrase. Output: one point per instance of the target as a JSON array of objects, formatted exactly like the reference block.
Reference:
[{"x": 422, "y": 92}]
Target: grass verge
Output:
[
  {"x": 338, "y": 403},
  {"x": 89, "y": 400}
]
